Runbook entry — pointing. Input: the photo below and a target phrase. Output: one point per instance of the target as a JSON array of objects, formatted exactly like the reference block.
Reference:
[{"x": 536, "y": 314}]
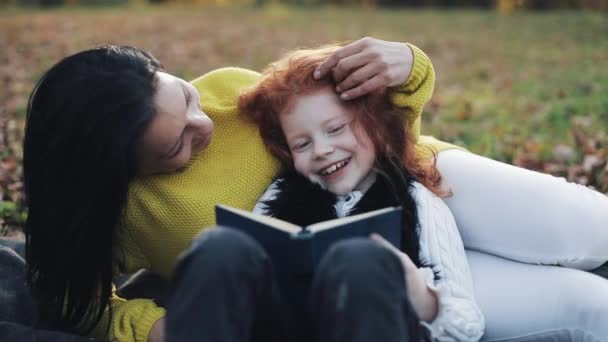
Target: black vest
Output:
[{"x": 303, "y": 203}]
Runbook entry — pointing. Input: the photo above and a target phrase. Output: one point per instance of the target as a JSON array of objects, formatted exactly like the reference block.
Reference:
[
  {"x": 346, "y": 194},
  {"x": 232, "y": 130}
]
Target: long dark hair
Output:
[{"x": 85, "y": 120}]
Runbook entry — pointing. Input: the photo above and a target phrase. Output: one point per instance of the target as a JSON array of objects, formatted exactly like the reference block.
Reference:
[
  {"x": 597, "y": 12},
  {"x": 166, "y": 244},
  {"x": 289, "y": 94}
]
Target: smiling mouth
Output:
[{"x": 334, "y": 167}]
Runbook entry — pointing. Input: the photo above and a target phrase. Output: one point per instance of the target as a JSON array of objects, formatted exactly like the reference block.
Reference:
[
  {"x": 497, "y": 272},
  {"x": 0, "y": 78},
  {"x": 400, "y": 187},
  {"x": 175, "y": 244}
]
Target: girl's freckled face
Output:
[{"x": 327, "y": 145}]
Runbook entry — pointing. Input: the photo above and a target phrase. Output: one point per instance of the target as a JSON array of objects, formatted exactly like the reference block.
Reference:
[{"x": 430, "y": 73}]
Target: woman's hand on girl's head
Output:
[
  {"x": 366, "y": 65},
  {"x": 422, "y": 298}
]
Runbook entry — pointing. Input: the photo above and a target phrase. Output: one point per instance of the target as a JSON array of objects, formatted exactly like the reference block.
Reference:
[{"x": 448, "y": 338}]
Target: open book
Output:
[{"x": 295, "y": 249}]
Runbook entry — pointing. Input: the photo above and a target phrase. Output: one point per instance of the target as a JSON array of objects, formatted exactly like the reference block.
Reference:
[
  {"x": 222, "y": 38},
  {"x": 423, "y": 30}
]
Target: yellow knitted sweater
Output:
[{"x": 165, "y": 212}]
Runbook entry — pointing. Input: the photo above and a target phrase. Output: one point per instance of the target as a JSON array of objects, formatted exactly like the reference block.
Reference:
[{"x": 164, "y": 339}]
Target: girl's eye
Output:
[
  {"x": 178, "y": 149},
  {"x": 300, "y": 146},
  {"x": 337, "y": 129}
]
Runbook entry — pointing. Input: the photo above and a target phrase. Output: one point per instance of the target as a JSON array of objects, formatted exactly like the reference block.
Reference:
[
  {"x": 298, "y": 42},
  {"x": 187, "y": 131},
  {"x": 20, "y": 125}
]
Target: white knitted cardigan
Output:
[{"x": 459, "y": 317}]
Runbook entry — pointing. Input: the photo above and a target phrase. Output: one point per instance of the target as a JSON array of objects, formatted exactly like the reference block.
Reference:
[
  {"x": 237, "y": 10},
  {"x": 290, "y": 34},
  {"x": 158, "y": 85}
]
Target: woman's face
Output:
[{"x": 179, "y": 129}]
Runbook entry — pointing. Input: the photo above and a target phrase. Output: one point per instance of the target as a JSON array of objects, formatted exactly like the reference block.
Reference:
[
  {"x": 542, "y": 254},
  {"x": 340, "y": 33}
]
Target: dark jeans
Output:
[
  {"x": 225, "y": 289},
  {"x": 347, "y": 308},
  {"x": 17, "y": 309}
]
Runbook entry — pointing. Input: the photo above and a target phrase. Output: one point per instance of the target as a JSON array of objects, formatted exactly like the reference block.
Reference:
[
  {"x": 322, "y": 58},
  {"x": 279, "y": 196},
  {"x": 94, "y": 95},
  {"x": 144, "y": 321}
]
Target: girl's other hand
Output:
[
  {"x": 423, "y": 299},
  {"x": 157, "y": 334},
  {"x": 366, "y": 65}
]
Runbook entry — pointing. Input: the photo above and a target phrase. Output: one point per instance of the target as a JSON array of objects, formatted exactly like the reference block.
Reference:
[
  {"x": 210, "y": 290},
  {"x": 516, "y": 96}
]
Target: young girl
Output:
[{"x": 342, "y": 158}]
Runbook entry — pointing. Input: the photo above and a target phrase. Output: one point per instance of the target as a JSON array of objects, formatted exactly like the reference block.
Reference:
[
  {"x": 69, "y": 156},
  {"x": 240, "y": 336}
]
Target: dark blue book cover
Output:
[{"x": 297, "y": 250}]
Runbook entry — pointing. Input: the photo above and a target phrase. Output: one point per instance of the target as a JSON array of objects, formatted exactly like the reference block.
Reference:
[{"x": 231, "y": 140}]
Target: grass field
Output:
[{"x": 528, "y": 88}]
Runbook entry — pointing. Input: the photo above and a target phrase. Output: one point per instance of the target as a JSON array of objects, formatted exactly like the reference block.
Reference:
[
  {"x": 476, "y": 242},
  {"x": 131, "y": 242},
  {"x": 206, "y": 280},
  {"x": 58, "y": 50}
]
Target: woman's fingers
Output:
[
  {"x": 368, "y": 86},
  {"x": 367, "y": 65},
  {"x": 347, "y": 66},
  {"x": 358, "y": 76},
  {"x": 332, "y": 61}
]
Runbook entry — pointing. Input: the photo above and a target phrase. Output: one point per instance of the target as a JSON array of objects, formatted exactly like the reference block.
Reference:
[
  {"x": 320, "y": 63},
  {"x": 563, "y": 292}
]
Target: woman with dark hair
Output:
[
  {"x": 120, "y": 175},
  {"x": 81, "y": 146}
]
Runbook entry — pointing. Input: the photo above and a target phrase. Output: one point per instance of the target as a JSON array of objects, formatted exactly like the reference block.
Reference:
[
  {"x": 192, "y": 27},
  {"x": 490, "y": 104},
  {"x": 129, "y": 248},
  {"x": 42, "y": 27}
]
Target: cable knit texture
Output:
[
  {"x": 459, "y": 317},
  {"x": 165, "y": 212}
]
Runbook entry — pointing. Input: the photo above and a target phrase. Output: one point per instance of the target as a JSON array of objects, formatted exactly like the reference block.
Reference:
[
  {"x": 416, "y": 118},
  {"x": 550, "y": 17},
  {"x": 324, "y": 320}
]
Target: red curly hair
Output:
[{"x": 292, "y": 76}]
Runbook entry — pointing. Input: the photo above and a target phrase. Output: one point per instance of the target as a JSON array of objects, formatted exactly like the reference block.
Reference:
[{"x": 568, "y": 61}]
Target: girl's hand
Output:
[
  {"x": 157, "y": 334},
  {"x": 366, "y": 65},
  {"x": 423, "y": 300}
]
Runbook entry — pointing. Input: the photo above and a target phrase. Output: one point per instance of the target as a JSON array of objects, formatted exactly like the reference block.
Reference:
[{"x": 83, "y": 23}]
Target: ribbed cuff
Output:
[
  {"x": 419, "y": 69},
  {"x": 132, "y": 320},
  {"x": 147, "y": 321},
  {"x": 455, "y": 319}
]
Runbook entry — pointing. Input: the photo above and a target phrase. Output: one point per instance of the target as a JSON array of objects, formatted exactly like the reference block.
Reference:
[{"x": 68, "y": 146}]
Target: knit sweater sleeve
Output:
[
  {"x": 411, "y": 97},
  {"x": 131, "y": 320},
  {"x": 459, "y": 317}
]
